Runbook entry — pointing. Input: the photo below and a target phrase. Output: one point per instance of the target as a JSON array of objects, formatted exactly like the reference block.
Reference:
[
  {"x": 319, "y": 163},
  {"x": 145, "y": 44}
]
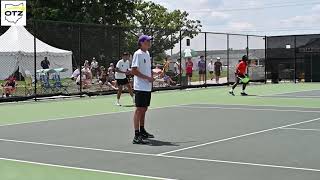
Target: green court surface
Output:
[
  {"x": 10, "y": 170},
  {"x": 23, "y": 112}
]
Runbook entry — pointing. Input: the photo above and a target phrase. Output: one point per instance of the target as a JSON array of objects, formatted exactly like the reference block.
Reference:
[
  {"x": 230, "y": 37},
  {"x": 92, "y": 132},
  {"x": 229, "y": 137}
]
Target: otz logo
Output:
[{"x": 13, "y": 13}]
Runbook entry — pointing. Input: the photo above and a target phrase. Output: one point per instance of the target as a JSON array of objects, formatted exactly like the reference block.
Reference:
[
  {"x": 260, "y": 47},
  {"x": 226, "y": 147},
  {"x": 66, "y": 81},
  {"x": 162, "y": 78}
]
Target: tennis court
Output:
[
  {"x": 299, "y": 94},
  {"x": 200, "y": 134}
]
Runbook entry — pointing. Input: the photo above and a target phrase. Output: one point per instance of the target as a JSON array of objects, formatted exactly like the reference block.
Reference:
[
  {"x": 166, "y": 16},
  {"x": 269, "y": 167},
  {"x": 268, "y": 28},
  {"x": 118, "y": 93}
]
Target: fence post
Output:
[
  {"x": 171, "y": 51},
  {"x": 35, "y": 59},
  {"x": 180, "y": 67},
  {"x": 248, "y": 69},
  {"x": 119, "y": 43},
  {"x": 295, "y": 59},
  {"x": 80, "y": 59},
  {"x": 265, "y": 59},
  {"x": 205, "y": 58},
  {"x": 228, "y": 58}
]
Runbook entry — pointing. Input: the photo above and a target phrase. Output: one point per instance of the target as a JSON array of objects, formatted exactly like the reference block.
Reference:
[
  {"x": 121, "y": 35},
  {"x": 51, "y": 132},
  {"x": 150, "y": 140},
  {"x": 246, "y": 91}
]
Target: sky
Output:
[
  {"x": 257, "y": 17},
  {"x": 262, "y": 17}
]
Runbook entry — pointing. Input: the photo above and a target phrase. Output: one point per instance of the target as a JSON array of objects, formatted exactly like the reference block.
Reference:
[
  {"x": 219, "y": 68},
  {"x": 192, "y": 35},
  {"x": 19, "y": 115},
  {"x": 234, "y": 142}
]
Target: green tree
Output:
[
  {"x": 109, "y": 12},
  {"x": 156, "y": 20}
]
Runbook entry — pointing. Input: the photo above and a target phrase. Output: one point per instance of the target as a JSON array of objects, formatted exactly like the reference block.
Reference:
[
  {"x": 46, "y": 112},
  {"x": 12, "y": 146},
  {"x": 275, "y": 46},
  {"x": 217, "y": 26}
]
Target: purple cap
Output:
[{"x": 144, "y": 38}]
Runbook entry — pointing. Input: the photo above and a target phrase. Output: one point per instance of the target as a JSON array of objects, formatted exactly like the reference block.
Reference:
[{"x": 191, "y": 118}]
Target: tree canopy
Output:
[
  {"x": 139, "y": 16},
  {"x": 109, "y": 12},
  {"x": 164, "y": 25}
]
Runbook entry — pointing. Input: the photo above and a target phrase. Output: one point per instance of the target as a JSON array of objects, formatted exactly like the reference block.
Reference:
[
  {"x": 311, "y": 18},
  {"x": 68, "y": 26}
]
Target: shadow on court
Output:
[{"x": 154, "y": 142}]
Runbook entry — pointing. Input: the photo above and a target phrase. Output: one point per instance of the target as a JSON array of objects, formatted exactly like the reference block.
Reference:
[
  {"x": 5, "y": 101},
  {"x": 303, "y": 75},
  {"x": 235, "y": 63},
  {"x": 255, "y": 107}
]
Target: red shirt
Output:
[
  {"x": 242, "y": 68},
  {"x": 189, "y": 67}
]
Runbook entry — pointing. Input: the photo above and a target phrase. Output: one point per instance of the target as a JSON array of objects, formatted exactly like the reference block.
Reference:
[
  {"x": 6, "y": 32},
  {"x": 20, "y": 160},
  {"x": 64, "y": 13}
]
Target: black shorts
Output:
[
  {"x": 202, "y": 72},
  {"x": 211, "y": 72},
  {"x": 218, "y": 73},
  {"x": 142, "y": 98},
  {"x": 122, "y": 82},
  {"x": 239, "y": 77}
]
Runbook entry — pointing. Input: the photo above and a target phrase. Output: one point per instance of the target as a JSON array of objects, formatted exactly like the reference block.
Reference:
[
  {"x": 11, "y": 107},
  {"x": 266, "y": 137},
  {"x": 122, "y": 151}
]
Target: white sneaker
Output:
[{"x": 118, "y": 103}]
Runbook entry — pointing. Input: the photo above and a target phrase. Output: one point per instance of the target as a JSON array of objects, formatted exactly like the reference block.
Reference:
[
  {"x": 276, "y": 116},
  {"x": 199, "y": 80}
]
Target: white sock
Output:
[{"x": 231, "y": 90}]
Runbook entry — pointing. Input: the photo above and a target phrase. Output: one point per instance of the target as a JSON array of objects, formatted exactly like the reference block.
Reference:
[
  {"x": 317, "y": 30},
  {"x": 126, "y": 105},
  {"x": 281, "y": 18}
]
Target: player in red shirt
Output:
[
  {"x": 189, "y": 69},
  {"x": 241, "y": 71}
]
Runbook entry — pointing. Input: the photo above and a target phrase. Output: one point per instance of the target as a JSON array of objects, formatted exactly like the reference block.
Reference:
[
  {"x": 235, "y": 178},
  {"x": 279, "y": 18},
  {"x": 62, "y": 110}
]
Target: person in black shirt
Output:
[{"x": 45, "y": 64}]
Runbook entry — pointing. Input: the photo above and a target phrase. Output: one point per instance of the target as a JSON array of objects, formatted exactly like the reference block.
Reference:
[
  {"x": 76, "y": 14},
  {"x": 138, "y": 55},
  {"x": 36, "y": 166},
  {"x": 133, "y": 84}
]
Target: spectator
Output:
[
  {"x": 166, "y": 64},
  {"x": 45, "y": 64},
  {"x": 104, "y": 79},
  {"x": 189, "y": 69},
  {"x": 178, "y": 68},
  {"x": 111, "y": 74},
  {"x": 9, "y": 87},
  {"x": 87, "y": 71},
  {"x": 86, "y": 81},
  {"x": 95, "y": 68},
  {"x": 161, "y": 75},
  {"x": 211, "y": 69},
  {"x": 86, "y": 64},
  {"x": 218, "y": 69},
  {"x": 75, "y": 74},
  {"x": 202, "y": 69}
]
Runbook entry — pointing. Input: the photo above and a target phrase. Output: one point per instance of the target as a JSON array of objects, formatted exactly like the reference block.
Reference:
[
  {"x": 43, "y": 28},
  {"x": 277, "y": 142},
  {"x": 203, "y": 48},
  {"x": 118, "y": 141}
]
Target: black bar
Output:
[
  {"x": 234, "y": 34},
  {"x": 80, "y": 60},
  {"x": 119, "y": 42},
  {"x": 228, "y": 57},
  {"x": 180, "y": 67},
  {"x": 265, "y": 59},
  {"x": 171, "y": 52},
  {"x": 35, "y": 59},
  {"x": 295, "y": 59},
  {"x": 205, "y": 58},
  {"x": 247, "y": 49}
]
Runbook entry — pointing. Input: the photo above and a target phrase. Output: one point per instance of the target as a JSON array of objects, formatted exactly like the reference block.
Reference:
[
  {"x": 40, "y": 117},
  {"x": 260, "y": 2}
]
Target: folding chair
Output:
[{"x": 58, "y": 86}]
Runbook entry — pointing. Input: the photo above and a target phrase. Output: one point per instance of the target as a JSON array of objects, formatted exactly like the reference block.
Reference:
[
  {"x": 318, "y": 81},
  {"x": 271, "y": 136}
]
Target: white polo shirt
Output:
[
  {"x": 142, "y": 61},
  {"x": 122, "y": 66}
]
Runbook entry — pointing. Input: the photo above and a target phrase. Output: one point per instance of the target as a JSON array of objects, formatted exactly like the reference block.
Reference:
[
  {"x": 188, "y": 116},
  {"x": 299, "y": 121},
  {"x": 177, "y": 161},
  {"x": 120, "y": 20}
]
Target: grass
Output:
[{"x": 44, "y": 110}]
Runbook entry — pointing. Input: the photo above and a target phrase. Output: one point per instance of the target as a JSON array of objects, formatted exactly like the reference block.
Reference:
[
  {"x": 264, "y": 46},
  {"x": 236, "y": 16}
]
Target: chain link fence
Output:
[
  {"x": 62, "y": 59},
  {"x": 293, "y": 58}
]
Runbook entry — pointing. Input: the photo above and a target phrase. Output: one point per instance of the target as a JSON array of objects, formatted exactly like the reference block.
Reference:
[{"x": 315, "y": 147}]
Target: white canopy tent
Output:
[{"x": 17, "y": 51}]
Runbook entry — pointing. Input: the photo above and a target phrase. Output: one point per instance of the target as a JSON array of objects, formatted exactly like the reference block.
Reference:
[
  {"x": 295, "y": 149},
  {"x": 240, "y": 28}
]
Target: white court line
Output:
[
  {"x": 288, "y": 96},
  {"x": 242, "y": 163},
  {"x": 126, "y": 111},
  {"x": 252, "y": 105},
  {"x": 149, "y": 155},
  {"x": 84, "y": 116},
  {"x": 86, "y": 169},
  {"x": 192, "y": 147},
  {"x": 237, "y": 137},
  {"x": 290, "y": 92},
  {"x": 249, "y": 109},
  {"x": 301, "y": 129},
  {"x": 74, "y": 147}
]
